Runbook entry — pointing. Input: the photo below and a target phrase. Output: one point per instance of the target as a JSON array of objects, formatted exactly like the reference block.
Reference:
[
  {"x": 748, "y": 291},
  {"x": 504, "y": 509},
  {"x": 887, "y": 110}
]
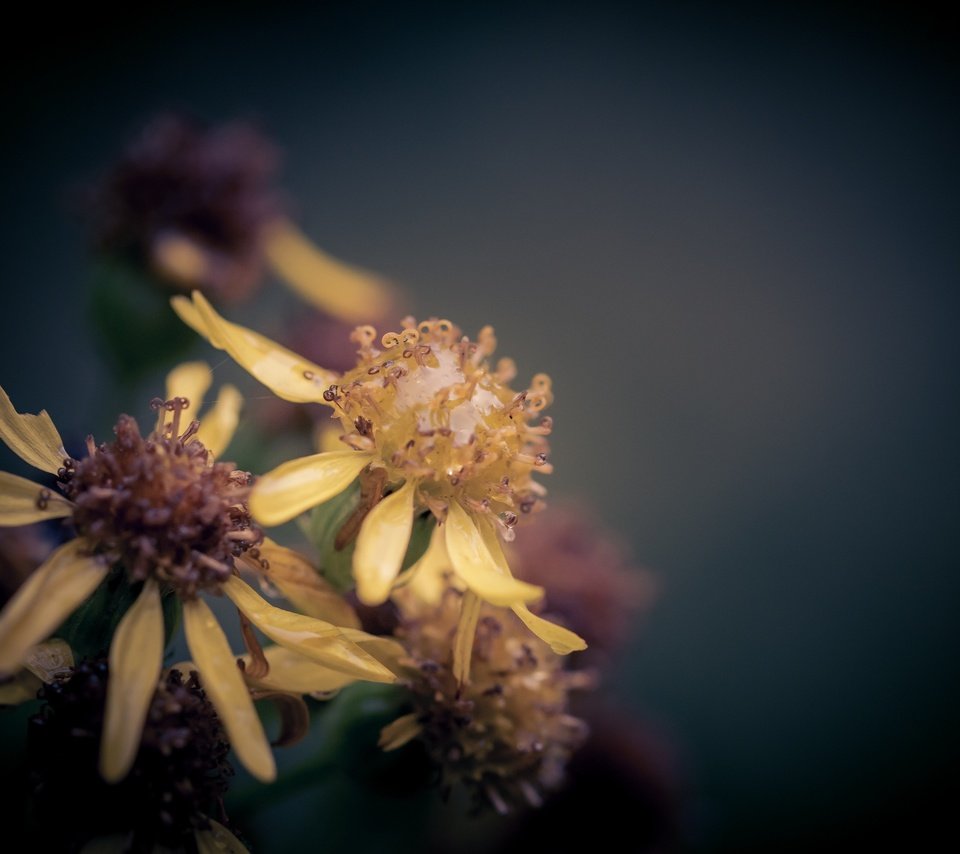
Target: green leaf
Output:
[{"x": 90, "y": 628}]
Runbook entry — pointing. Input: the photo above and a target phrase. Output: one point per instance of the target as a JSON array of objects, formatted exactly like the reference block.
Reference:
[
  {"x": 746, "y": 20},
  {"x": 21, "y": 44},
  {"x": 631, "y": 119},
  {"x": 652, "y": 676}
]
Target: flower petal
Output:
[
  {"x": 433, "y": 573},
  {"x": 190, "y": 380},
  {"x": 284, "y": 372},
  {"x": 307, "y": 591},
  {"x": 45, "y": 600},
  {"x": 473, "y": 562},
  {"x": 382, "y": 543},
  {"x": 220, "y": 423},
  {"x": 296, "y": 674},
  {"x": 19, "y": 501},
  {"x": 313, "y": 638},
  {"x": 136, "y": 658},
  {"x": 33, "y": 438},
  {"x": 223, "y": 683},
  {"x": 298, "y": 485},
  {"x": 463, "y": 639},
  {"x": 22, "y": 688},
  {"x": 218, "y": 840},
  {"x": 403, "y": 730},
  {"x": 562, "y": 641},
  {"x": 346, "y": 292}
]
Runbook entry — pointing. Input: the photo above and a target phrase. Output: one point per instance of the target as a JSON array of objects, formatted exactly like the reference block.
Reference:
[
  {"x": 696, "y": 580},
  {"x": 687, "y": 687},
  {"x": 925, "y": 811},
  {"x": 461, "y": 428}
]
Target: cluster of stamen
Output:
[
  {"x": 177, "y": 780},
  {"x": 426, "y": 401},
  {"x": 506, "y": 734},
  {"x": 160, "y": 506}
]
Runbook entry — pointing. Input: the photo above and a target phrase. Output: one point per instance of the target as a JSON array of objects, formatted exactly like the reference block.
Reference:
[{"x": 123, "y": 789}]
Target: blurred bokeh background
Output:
[{"x": 729, "y": 235}]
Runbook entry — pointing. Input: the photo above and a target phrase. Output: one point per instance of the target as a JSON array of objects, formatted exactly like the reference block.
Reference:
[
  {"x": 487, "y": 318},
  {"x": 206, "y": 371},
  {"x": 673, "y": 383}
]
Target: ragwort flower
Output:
[
  {"x": 175, "y": 520},
  {"x": 430, "y": 427}
]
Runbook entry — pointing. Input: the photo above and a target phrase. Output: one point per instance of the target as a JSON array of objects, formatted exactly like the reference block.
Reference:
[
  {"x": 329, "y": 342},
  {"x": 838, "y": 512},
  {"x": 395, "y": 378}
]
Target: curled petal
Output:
[
  {"x": 294, "y": 716},
  {"x": 403, "y": 730},
  {"x": 297, "y": 674},
  {"x": 220, "y": 423},
  {"x": 346, "y": 292},
  {"x": 33, "y": 438},
  {"x": 224, "y": 684},
  {"x": 282, "y": 371},
  {"x": 473, "y": 562},
  {"x": 382, "y": 543},
  {"x": 22, "y": 501},
  {"x": 45, "y": 600},
  {"x": 313, "y": 638},
  {"x": 298, "y": 485},
  {"x": 190, "y": 380},
  {"x": 309, "y": 592},
  {"x": 466, "y": 631},
  {"x": 136, "y": 658}
]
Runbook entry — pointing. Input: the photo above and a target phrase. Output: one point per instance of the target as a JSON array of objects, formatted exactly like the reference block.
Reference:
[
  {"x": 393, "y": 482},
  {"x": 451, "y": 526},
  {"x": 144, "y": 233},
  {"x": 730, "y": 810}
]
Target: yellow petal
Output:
[
  {"x": 218, "y": 840},
  {"x": 463, "y": 640},
  {"x": 313, "y": 638},
  {"x": 33, "y": 438},
  {"x": 22, "y": 688},
  {"x": 220, "y": 423},
  {"x": 473, "y": 562},
  {"x": 346, "y": 292},
  {"x": 136, "y": 657},
  {"x": 284, "y": 372},
  {"x": 562, "y": 641},
  {"x": 296, "y": 674},
  {"x": 326, "y": 437},
  {"x": 190, "y": 380},
  {"x": 307, "y": 591},
  {"x": 432, "y": 574},
  {"x": 18, "y": 501},
  {"x": 298, "y": 485},
  {"x": 398, "y": 733},
  {"x": 45, "y": 600},
  {"x": 389, "y": 652},
  {"x": 226, "y": 689},
  {"x": 52, "y": 659},
  {"x": 382, "y": 543}
]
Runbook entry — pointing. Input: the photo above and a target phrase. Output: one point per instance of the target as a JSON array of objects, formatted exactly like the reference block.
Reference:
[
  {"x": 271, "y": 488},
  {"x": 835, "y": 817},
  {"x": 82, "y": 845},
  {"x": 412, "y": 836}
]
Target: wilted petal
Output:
[
  {"x": 284, "y": 372},
  {"x": 298, "y": 485},
  {"x": 473, "y": 562},
  {"x": 19, "y": 497},
  {"x": 224, "y": 685},
  {"x": 220, "y": 423},
  {"x": 381, "y": 545},
  {"x": 45, "y": 600},
  {"x": 313, "y": 638},
  {"x": 400, "y": 732},
  {"x": 339, "y": 289},
  {"x": 463, "y": 639},
  {"x": 33, "y": 438},
  {"x": 190, "y": 380},
  {"x": 136, "y": 658}
]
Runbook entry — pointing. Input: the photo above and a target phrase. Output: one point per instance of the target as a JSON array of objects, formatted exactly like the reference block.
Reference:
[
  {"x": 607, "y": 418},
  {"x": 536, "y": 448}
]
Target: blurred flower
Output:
[
  {"x": 591, "y": 585},
  {"x": 175, "y": 520},
  {"x": 506, "y": 733},
  {"x": 178, "y": 775},
  {"x": 428, "y": 420},
  {"x": 199, "y": 207}
]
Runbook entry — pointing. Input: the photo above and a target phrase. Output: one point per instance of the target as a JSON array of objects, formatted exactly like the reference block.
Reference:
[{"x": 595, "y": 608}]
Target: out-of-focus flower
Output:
[
  {"x": 175, "y": 520},
  {"x": 591, "y": 585},
  {"x": 22, "y": 550},
  {"x": 430, "y": 426},
  {"x": 199, "y": 207},
  {"x": 176, "y": 781},
  {"x": 506, "y": 733}
]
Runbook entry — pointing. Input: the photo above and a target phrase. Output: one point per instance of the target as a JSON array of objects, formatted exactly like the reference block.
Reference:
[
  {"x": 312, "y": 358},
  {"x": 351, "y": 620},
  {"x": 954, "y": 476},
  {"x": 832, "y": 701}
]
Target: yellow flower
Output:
[
  {"x": 425, "y": 417},
  {"x": 175, "y": 520}
]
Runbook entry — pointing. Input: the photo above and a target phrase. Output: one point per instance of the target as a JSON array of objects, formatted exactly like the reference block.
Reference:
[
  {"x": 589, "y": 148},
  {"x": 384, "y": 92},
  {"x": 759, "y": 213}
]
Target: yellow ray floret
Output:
[{"x": 33, "y": 438}]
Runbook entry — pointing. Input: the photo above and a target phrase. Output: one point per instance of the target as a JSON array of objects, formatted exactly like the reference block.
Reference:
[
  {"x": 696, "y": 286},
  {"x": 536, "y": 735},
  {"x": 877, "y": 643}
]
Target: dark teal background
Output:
[{"x": 730, "y": 236}]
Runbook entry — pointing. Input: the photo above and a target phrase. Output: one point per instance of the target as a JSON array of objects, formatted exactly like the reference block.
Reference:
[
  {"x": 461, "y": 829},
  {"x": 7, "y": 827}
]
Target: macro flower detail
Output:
[
  {"x": 176, "y": 782},
  {"x": 199, "y": 206},
  {"x": 175, "y": 521},
  {"x": 430, "y": 428},
  {"x": 507, "y": 735}
]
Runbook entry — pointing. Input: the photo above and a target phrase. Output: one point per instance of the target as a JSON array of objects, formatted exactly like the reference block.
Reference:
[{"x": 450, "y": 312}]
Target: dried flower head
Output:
[
  {"x": 506, "y": 734},
  {"x": 174, "y": 521},
  {"x": 175, "y": 783}
]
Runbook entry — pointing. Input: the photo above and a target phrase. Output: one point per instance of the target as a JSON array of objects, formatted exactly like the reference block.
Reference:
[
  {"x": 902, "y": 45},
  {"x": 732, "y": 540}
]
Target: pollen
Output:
[
  {"x": 160, "y": 505},
  {"x": 428, "y": 403}
]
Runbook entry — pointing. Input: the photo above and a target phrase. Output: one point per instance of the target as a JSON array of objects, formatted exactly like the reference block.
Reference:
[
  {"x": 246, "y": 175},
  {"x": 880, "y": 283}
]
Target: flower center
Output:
[{"x": 160, "y": 506}]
